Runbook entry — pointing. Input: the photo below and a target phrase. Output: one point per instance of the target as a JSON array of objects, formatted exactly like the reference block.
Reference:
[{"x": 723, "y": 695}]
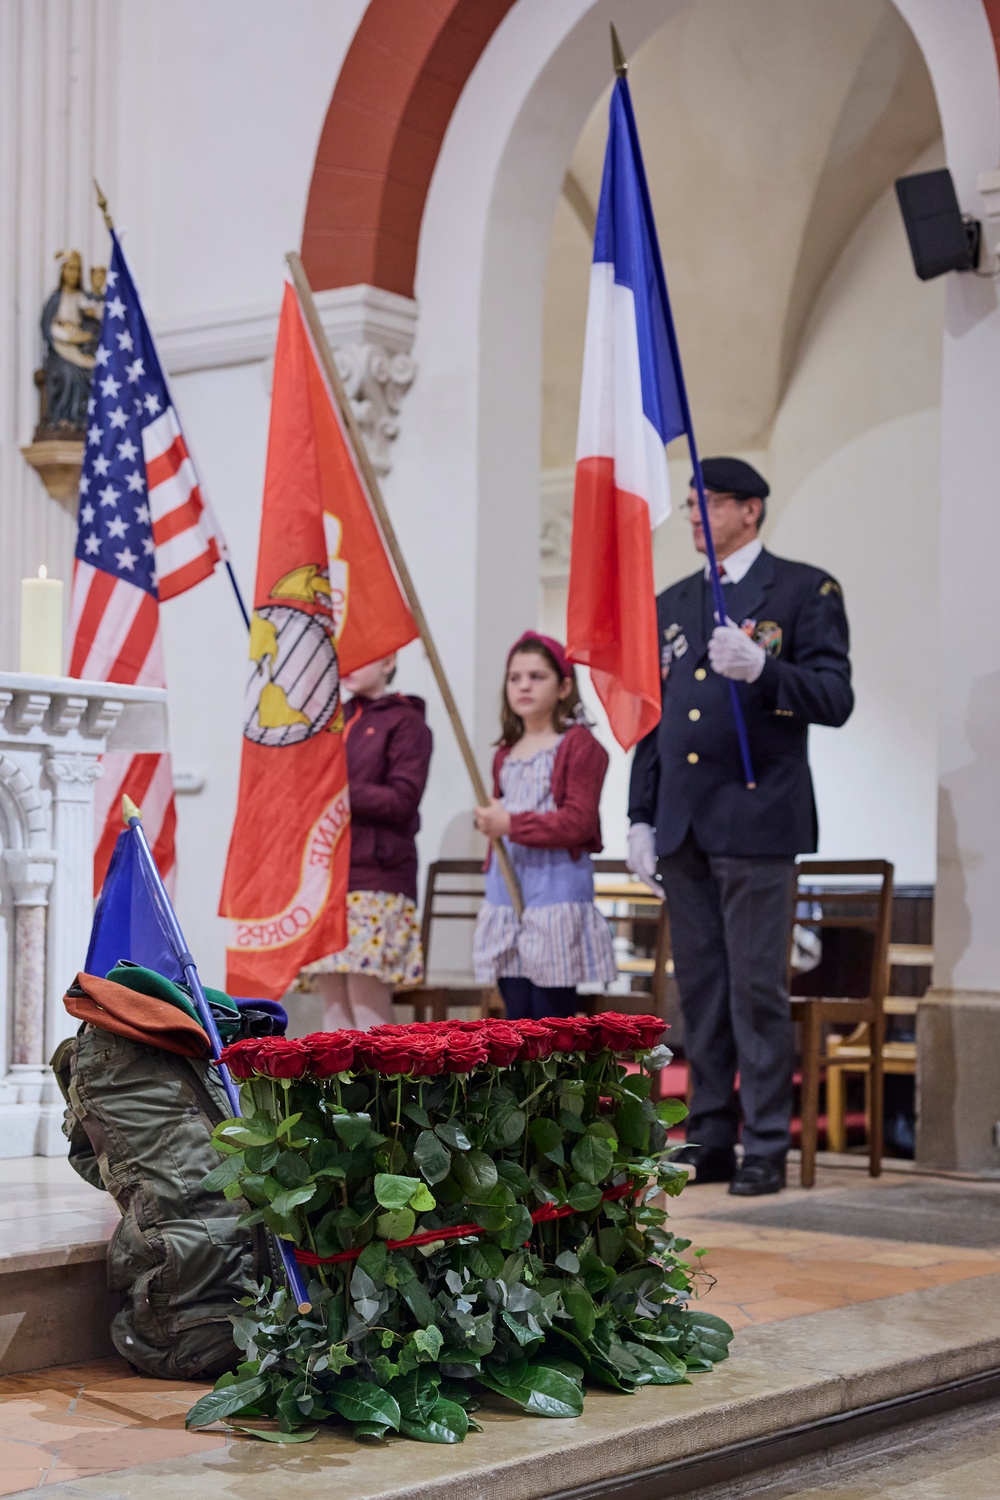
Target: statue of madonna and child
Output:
[{"x": 71, "y": 328}]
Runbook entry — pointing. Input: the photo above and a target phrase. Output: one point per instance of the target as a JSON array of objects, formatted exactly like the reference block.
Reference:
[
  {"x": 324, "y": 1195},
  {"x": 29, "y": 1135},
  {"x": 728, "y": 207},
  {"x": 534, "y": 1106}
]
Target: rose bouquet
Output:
[{"x": 480, "y": 1204}]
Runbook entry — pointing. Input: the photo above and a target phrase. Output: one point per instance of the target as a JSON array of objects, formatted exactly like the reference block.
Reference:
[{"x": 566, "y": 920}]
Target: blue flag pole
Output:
[
  {"x": 718, "y": 598},
  {"x": 184, "y": 957}
]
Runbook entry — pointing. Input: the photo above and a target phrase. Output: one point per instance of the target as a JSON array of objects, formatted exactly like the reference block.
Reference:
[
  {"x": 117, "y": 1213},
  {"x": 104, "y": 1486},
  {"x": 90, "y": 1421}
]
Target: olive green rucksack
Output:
[{"x": 139, "y": 1121}]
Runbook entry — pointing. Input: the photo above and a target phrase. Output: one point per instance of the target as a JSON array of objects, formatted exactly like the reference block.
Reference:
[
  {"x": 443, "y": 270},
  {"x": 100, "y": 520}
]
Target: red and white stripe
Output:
[
  {"x": 188, "y": 540},
  {"x": 115, "y": 637}
]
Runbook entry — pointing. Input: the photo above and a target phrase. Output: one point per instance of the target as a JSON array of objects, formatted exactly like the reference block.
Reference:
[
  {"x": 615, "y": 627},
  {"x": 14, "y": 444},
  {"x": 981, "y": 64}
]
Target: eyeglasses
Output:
[{"x": 712, "y": 501}]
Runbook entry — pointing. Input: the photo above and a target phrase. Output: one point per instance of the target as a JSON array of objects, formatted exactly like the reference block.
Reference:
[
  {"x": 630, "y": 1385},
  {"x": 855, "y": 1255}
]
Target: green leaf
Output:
[
  {"x": 365, "y": 1432},
  {"x": 262, "y": 1158},
  {"x": 514, "y": 1176},
  {"x": 226, "y": 1172},
  {"x": 396, "y": 1225},
  {"x": 638, "y": 1084},
  {"x": 287, "y": 1125},
  {"x": 583, "y": 1196},
  {"x": 301, "y": 1435},
  {"x": 291, "y": 1170},
  {"x": 485, "y": 1261},
  {"x": 592, "y": 1158},
  {"x": 447, "y": 1423},
  {"x": 286, "y": 1202},
  {"x": 353, "y": 1130},
  {"x": 422, "y": 1199},
  {"x": 360, "y": 1401},
  {"x": 415, "y": 1295},
  {"x": 546, "y": 1136},
  {"x": 452, "y": 1134},
  {"x": 417, "y": 1115},
  {"x": 631, "y": 1123},
  {"x": 476, "y": 1173},
  {"x": 395, "y": 1192},
  {"x": 223, "y": 1403},
  {"x": 506, "y": 1127},
  {"x": 542, "y": 1391},
  {"x": 433, "y": 1158},
  {"x": 415, "y": 1393},
  {"x": 241, "y": 1133},
  {"x": 610, "y": 1243},
  {"x": 671, "y": 1111},
  {"x": 580, "y": 1305},
  {"x": 710, "y": 1335},
  {"x": 430, "y": 1341},
  {"x": 567, "y": 1261}
]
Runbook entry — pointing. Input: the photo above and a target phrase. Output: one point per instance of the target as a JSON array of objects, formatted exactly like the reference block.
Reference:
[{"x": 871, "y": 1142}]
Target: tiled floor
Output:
[{"x": 61, "y": 1424}]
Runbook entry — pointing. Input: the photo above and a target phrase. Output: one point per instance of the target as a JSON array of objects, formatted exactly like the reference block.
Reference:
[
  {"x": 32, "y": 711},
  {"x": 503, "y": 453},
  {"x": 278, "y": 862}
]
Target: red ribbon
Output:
[{"x": 459, "y": 1231}]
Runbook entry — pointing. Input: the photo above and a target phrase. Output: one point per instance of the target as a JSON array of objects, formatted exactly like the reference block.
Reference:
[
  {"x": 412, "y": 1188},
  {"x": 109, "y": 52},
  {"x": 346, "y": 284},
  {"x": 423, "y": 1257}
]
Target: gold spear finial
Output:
[
  {"x": 102, "y": 204},
  {"x": 129, "y": 810},
  {"x": 618, "y": 54}
]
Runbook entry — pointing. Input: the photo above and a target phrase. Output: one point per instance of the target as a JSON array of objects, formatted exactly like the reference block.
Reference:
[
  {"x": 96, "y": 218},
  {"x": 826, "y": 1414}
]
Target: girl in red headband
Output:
[{"x": 547, "y": 777}]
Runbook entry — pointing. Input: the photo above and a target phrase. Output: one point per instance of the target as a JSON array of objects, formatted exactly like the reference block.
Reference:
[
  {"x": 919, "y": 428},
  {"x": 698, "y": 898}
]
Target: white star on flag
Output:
[
  {"x": 117, "y": 527},
  {"x": 127, "y": 450},
  {"x": 109, "y": 495},
  {"x": 126, "y": 559},
  {"x": 116, "y": 309},
  {"x": 110, "y": 386}
]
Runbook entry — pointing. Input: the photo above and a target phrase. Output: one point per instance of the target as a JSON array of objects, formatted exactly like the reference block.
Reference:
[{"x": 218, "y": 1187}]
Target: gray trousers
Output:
[{"x": 730, "y": 919}]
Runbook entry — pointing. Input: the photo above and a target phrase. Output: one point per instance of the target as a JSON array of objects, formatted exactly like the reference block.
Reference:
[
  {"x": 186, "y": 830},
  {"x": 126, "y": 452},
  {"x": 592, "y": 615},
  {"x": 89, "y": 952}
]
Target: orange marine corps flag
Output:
[{"x": 326, "y": 602}]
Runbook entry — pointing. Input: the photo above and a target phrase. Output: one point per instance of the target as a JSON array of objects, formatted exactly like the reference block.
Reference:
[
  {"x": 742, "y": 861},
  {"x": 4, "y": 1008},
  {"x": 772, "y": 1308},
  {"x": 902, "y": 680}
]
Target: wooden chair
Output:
[
  {"x": 848, "y": 986},
  {"x": 852, "y": 1054},
  {"x": 453, "y": 893}
]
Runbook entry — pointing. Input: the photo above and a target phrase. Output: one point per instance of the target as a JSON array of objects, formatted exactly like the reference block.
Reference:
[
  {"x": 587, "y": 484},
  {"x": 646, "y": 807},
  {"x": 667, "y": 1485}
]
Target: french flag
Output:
[{"x": 632, "y": 403}]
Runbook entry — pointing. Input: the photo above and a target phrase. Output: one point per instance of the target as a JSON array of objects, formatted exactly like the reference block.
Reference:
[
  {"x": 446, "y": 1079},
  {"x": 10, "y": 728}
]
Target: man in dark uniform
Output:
[{"x": 723, "y": 852}]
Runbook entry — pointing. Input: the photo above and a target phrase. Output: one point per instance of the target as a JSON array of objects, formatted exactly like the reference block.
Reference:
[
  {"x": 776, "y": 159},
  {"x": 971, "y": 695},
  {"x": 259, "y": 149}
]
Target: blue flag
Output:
[{"x": 129, "y": 921}]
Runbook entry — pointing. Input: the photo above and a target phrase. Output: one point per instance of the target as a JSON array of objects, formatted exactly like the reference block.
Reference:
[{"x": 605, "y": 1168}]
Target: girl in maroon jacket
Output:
[
  {"x": 547, "y": 779},
  {"x": 388, "y": 755}
]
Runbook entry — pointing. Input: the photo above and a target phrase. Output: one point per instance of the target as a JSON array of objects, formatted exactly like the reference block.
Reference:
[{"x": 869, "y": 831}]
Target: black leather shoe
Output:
[
  {"x": 758, "y": 1175},
  {"x": 711, "y": 1163}
]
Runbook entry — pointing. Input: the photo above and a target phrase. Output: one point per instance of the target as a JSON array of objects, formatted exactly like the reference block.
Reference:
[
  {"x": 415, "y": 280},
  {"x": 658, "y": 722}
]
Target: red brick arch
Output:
[{"x": 402, "y": 77}]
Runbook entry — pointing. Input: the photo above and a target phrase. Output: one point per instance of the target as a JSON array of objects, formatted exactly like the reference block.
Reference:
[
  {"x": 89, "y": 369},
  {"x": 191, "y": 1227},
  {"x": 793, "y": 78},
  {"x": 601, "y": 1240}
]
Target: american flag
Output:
[{"x": 145, "y": 533}]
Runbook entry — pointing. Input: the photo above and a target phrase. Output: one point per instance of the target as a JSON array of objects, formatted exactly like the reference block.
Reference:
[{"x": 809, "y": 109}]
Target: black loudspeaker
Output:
[{"x": 941, "y": 238}]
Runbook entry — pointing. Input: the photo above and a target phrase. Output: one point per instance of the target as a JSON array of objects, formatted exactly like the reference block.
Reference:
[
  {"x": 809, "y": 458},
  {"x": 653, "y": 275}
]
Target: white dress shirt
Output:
[{"x": 738, "y": 564}]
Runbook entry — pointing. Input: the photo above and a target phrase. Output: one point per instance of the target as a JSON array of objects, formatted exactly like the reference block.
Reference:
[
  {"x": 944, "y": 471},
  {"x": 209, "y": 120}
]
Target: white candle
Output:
[{"x": 42, "y": 625}]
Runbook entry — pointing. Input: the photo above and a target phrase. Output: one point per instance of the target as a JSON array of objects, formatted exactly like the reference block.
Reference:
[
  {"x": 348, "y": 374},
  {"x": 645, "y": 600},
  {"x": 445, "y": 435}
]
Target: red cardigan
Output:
[{"x": 578, "y": 774}]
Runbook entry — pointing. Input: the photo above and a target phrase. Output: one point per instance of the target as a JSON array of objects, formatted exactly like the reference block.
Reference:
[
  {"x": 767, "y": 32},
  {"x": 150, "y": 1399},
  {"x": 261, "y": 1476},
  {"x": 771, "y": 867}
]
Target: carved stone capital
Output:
[
  {"x": 556, "y": 496},
  {"x": 71, "y": 770},
  {"x": 371, "y": 332},
  {"x": 29, "y": 874}
]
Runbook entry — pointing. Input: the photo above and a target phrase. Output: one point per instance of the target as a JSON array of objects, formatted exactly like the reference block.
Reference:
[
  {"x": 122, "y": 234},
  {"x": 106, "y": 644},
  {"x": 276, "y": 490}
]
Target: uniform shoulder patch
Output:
[{"x": 829, "y": 586}]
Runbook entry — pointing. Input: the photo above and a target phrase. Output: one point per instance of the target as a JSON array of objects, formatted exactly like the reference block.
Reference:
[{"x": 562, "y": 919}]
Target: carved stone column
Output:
[
  {"x": 29, "y": 874},
  {"x": 71, "y": 775}
]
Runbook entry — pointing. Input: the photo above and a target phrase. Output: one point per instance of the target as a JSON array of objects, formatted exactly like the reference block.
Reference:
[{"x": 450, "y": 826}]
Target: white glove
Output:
[
  {"x": 642, "y": 856},
  {"x": 733, "y": 654}
]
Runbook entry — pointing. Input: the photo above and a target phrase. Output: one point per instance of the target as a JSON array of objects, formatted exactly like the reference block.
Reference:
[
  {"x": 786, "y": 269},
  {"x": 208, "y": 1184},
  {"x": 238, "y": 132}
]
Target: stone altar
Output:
[{"x": 53, "y": 732}]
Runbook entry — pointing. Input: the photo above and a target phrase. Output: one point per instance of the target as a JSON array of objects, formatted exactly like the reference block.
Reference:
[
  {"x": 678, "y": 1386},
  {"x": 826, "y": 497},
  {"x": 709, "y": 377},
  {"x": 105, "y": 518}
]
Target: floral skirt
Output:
[{"x": 383, "y": 939}]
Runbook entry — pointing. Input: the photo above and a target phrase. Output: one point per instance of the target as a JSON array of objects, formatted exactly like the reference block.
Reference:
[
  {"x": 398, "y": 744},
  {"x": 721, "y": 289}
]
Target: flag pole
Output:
[
  {"x": 718, "y": 598},
  {"x": 377, "y": 503},
  {"x": 102, "y": 204},
  {"x": 133, "y": 820}
]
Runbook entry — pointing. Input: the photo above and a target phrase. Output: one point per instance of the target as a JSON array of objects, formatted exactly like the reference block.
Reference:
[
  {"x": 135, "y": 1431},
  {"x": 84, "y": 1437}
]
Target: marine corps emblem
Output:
[{"x": 294, "y": 687}]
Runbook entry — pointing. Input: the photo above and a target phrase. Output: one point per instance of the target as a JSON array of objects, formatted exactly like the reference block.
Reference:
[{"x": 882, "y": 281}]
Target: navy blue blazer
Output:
[{"x": 687, "y": 772}]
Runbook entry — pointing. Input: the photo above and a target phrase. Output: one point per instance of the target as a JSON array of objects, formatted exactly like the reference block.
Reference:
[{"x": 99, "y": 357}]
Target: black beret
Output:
[{"x": 731, "y": 476}]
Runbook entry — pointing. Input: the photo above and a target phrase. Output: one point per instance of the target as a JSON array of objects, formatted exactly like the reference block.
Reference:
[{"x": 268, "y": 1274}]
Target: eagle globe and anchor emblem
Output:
[{"x": 294, "y": 687}]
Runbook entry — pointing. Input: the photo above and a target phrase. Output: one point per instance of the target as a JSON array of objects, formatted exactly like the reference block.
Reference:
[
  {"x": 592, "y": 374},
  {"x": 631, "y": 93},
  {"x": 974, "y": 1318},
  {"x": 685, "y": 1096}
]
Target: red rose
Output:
[
  {"x": 469, "y": 1026},
  {"x": 619, "y": 1033},
  {"x": 429, "y": 1057},
  {"x": 241, "y": 1057},
  {"x": 573, "y": 1033},
  {"x": 279, "y": 1058},
  {"x": 651, "y": 1030},
  {"x": 536, "y": 1039},
  {"x": 464, "y": 1052},
  {"x": 503, "y": 1043},
  {"x": 390, "y": 1055},
  {"x": 330, "y": 1052}
]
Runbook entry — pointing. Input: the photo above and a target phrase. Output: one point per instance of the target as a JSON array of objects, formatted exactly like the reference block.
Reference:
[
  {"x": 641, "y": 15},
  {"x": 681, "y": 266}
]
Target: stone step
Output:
[{"x": 54, "y": 1307}]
